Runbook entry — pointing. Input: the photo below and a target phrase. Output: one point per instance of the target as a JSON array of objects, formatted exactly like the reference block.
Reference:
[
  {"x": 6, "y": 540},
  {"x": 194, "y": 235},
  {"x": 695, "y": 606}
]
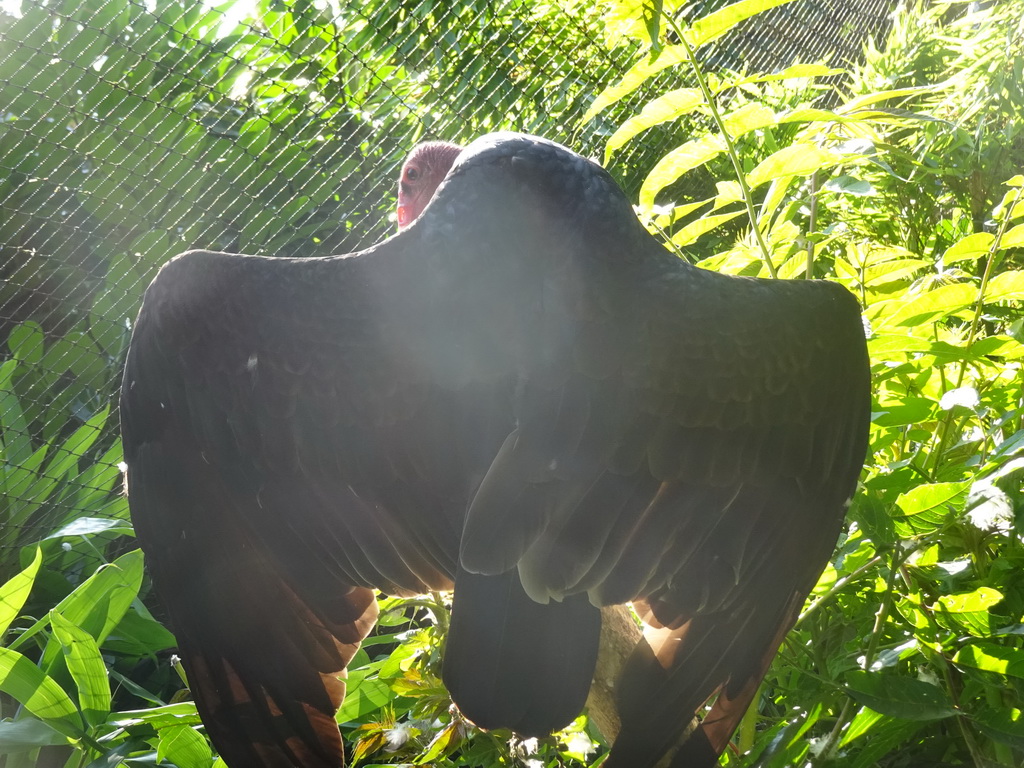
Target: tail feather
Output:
[{"x": 514, "y": 663}]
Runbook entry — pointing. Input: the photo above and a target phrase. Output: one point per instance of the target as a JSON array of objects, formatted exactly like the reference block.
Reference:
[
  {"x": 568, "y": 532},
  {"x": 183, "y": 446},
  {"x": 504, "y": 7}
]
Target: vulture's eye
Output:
[{"x": 412, "y": 173}]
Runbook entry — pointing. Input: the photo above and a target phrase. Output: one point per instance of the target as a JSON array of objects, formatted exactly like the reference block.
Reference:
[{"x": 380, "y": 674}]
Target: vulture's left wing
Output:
[{"x": 685, "y": 440}]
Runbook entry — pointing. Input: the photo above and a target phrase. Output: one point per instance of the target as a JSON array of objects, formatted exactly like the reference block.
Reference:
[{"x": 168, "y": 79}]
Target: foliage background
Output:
[{"x": 132, "y": 131}]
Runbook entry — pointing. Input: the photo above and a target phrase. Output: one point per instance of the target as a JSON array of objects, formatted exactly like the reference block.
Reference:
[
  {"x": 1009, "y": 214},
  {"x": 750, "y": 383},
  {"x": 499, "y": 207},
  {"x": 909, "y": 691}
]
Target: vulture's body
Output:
[{"x": 522, "y": 395}]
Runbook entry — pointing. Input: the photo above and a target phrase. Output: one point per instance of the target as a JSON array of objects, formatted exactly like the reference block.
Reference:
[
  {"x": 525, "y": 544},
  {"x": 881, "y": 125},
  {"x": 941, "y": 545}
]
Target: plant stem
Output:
[
  {"x": 734, "y": 158},
  {"x": 811, "y": 226},
  {"x": 979, "y": 307}
]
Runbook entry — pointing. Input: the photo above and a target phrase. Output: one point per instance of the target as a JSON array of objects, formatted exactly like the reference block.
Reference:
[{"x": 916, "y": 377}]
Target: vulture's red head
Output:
[{"x": 422, "y": 173}]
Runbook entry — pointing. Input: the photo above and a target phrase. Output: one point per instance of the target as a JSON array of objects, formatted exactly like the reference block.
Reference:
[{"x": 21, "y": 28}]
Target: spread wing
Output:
[
  {"x": 523, "y": 394},
  {"x": 691, "y": 444},
  {"x": 270, "y": 488}
]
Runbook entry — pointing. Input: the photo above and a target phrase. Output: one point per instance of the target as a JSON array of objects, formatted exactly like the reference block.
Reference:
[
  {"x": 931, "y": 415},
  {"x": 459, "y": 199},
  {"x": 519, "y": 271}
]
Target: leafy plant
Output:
[{"x": 907, "y": 653}]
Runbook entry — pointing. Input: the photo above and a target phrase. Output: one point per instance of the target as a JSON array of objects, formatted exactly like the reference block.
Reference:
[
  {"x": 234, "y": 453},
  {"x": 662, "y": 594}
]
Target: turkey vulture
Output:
[
  {"x": 521, "y": 395},
  {"x": 422, "y": 173}
]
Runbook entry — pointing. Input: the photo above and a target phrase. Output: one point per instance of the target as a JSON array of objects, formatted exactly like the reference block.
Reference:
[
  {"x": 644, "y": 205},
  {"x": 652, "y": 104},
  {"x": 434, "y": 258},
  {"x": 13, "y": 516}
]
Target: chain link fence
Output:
[{"x": 131, "y": 131}]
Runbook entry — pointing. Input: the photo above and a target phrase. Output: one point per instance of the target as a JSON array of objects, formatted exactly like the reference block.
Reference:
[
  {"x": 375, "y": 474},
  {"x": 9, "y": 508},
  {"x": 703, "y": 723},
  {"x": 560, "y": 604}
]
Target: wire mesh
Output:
[{"x": 132, "y": 131}]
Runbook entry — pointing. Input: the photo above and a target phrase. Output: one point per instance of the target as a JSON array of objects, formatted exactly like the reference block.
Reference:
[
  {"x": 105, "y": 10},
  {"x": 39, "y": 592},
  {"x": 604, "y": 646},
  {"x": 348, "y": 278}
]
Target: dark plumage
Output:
[{"x": 522, "y": 394}]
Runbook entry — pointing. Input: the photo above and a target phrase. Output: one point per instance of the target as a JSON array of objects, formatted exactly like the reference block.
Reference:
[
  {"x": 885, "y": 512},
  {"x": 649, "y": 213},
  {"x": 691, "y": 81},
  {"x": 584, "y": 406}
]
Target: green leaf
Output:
[
  {"x": 896, "y": 696},
  {"x": 971, "y": 247},
  {"x": 183, "y": 746},
  {"x": 182, "y": 713},
  {"x": 926, "y": 308},
  {"x": 38, "y": 693},
  {"x": 861, "y": 725},
  {"x": 15, "y": 592},
  {"x": 26, "y": 342},
  {"x": 102, "y": 600},
  {"x": 929, "y": 507},
  {"x": 1006, "y": 286},
  {"x": 448, "y": 739},
  {"x": 931, "y": 495},
  {"x": 690, "y": 233},
  {"x": 989, "y": 657},
  {"x": 138, "y": 635},
  {"x": 677, "y": 162},
  {"x": 85, "y": 663},
  {"x": 800, "y": 159},
  {"x": 636, "y": 76},
  {"x": 99, "y": 603},
  {"x": 716, "y": 24},
  {"x": 1014, "y": 238},
  {"x": 364, "y": 695},
  {"x": 16, "y": 440},
  {"x": 967, "y": 611},
  {"x": 1005, "y": 726},
  {"x": 27, "y": 734},
  {"x": 748, "y": 118},
  {"x": 667, "y": 107},
  {"x": 66, "y": 458}
]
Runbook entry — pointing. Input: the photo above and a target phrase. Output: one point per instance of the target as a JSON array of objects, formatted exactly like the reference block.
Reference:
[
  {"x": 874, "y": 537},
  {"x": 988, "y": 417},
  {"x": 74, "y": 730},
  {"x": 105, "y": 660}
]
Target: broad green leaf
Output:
[
  {"x": 897, "y": 696},
  {"x": 1014, "y": 238},
  {"x": 637, "y": 75},
  {"x": 797, "y": 71},
  {"x": 868, "y": 99},
  {"x": 909, "y": 410},
  {"x": 716, "y": 24},
  {"x": 883, "y": 345},
  {"x": 182, "y": 713},
  {"x": 87, "y": 669},
  {"x": 929, "y": 507},
  {"x": 704, "y": 224},
  {"x": 666, "y": 220},
  {"x": 138, "y": 635},
  {"x": 15, "y": 592},
  {"x": 39, "y": 694},
  {"x": 980, "y": 599},
  {"x": 1006, "y": 286},
  {"x": 728, "y": 192},
  {"x": 748, "y": 118},
  {"x": 184, "y": 747},
  {"x": 971, "y": 247},
  {"x": 967, "y": 611},
  {"x": 928, "y": 307},
  {"x": 850, "y": 185},
  {"x": 989, "y": 657},
  {"x": 931, "y": 495},
  {"x": 677, "y": 162},
  {"x": 811, "y": 115},
  {"x": 861, "y": 725},
  {"x": 664, "y": 108},
  {"x": 801, "y": 159},
  {"x": 26, "y": 342},
  {"x": 891, "y": 271},
  {"x": 998, "y": 346},
  {"x": 66, "y": 458},
  {"x": 449, "y": 738},
  {"x": 27, "y": 734},
  {"x": 775, "y": 196},
  {"x": 16, "y": 440},
  {"x": 99, "y": 603},
  {"x": 363, "y": 695},
  {"x": 1004, "y": 725}
]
